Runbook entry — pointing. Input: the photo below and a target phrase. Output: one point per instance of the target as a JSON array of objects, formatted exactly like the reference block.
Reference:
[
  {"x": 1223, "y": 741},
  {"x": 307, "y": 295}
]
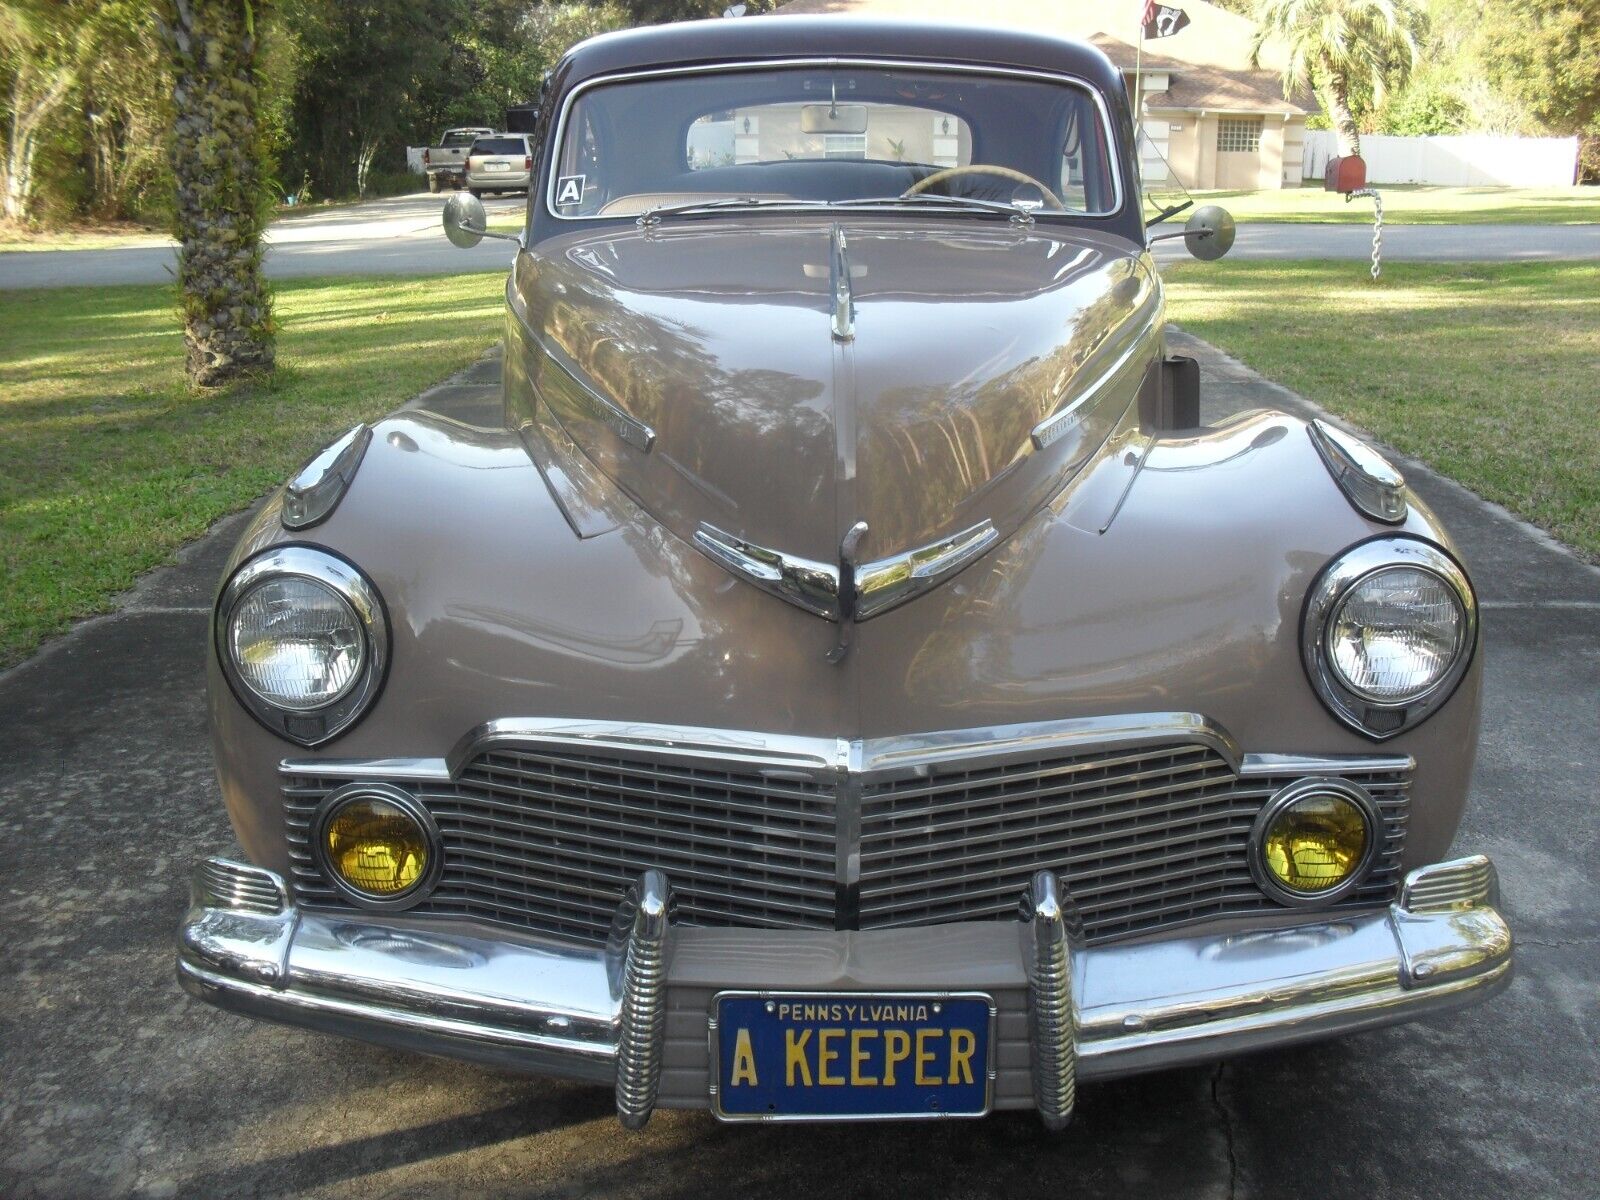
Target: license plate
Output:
[
  {"x": 799, "y": 1057},
  {"x": 497, "y": 166}
]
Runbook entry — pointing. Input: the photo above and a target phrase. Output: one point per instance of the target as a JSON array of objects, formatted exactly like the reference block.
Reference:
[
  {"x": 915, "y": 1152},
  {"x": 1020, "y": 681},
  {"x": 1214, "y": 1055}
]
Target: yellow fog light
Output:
[
  {"x": 377, "y": 845},
  {"x": 1314, "y": 841}
]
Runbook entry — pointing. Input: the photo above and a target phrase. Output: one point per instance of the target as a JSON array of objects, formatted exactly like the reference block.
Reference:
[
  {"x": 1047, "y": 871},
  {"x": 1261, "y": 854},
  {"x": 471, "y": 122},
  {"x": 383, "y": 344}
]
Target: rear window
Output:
[
  {"x": 458, "y": 138},
  {"x": 500, "y": 146}
]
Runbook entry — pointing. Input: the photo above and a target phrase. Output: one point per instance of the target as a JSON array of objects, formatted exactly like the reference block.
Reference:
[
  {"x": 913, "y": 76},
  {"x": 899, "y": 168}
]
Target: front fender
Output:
[{"x": 1177, "y": 586}]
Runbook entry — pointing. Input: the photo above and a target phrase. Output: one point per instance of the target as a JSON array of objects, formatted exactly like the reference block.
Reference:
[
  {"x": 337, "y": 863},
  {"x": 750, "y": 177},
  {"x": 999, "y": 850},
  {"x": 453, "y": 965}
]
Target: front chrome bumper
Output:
[{"x": 634, "y": 1014}]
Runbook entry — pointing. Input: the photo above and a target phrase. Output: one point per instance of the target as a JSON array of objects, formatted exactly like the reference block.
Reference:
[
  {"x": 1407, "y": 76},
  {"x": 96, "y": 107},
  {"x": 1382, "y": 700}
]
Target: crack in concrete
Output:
[
  {"x": 1559, "y": 943},
  {"x": 1227, "y": 1129}
]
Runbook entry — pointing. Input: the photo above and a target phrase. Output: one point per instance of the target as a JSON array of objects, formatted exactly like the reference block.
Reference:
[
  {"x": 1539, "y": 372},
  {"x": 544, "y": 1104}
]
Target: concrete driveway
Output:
[
  {"x": 116, "y": 1084},
  {"x": 401, "y": 236}
]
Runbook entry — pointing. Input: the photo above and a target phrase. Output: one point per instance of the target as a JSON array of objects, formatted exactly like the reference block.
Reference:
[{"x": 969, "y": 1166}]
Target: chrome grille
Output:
[
  {"x": 549, "y": 834},
  {"x": 551, "y": 839},
  {"x": 220, "y": 882},
  {"x": 1143, "y": 838}
]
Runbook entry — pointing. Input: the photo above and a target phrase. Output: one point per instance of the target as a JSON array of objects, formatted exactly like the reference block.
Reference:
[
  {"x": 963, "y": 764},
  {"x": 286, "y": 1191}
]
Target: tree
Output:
[
  {"x": 659, "y": 12},
  {"x": 124, "y": 103},
  {"x": 38, "y": 69},
  {"x": 1338, "y": 47},
  {"x": 222, "y": 201},
  {"x": 1545, "y": 54},
  {"x": 365, "y": 64}
]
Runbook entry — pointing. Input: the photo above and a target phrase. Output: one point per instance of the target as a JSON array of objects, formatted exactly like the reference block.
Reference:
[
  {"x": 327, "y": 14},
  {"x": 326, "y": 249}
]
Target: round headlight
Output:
[
  {"x": 303, "y": 641},
  {"x": 1314, "y": 841},
  {"x": 296, "y": 643},
  {"x": 1396, "y": 634},
  {"x": 377, "y": 845},
  {"x": 1389, "y": 631}
]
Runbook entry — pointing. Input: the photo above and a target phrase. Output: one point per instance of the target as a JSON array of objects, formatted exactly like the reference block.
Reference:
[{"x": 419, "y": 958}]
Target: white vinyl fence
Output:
[{"x": 1466, "y": 160}]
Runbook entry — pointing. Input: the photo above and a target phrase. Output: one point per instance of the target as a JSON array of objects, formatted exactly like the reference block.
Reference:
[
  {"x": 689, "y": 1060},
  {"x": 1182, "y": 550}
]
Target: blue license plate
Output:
[{"x": 814, "y": 1057}]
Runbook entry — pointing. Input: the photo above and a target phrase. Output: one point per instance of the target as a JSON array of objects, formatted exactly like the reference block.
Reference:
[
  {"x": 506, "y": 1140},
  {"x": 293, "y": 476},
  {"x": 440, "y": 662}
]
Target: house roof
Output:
[
  {"x": 1209, "y": 60},
  {"x": 1195, "y": 86}
]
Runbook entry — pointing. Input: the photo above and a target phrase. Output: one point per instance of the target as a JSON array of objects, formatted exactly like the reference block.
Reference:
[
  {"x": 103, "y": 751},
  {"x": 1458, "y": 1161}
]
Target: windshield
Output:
[{"x": 835, "y": 134}]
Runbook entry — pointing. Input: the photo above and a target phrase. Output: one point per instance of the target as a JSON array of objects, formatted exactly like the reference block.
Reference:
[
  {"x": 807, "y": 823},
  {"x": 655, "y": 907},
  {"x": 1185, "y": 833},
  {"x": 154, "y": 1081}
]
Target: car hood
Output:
[{"x": 700, "y": 366}]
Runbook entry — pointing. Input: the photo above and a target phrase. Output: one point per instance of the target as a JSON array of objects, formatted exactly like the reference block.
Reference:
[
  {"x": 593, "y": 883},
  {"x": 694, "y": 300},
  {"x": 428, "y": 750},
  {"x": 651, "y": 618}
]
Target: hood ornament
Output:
[{"x": 844, "y": 301}]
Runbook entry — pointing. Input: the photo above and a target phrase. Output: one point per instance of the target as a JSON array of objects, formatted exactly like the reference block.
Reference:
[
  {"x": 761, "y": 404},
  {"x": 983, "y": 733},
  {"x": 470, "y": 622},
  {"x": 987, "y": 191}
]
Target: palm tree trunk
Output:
[
  {"x": 221, "y": 209},
  {"x": 1337, "y": 101}
]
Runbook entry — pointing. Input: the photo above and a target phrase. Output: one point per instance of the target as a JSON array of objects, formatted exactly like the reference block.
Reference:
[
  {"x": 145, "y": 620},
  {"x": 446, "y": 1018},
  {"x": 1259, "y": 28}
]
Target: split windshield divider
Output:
[{"x": 652, "y": 216}]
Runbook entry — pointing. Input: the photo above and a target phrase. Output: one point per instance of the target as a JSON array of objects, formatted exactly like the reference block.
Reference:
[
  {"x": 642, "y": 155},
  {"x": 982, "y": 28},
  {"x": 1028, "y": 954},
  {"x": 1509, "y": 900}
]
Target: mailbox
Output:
[{"x": 1346, "y": 173}]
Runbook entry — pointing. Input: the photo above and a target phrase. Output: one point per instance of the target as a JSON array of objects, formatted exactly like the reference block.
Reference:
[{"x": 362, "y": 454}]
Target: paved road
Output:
[
  {"x": 401, "y": 236},
  {"x": 115, "y": 1084}
]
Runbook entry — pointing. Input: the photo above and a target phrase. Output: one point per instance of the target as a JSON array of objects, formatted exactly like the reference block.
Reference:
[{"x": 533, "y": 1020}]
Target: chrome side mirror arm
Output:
[{"x": 1208, "y": 233}]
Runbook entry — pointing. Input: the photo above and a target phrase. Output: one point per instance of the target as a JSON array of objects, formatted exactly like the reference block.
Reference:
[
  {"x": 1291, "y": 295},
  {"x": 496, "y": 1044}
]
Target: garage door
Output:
[{"x": 1239, "y": 152}]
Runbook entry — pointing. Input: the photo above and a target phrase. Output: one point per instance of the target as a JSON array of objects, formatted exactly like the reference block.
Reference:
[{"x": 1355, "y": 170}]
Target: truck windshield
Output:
[{"x": 838, "y": 134}]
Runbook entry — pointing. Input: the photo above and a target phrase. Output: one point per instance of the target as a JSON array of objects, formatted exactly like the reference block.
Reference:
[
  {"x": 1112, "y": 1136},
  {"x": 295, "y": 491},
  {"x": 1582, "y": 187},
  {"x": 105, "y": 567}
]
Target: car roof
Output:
[{"x": 779, "y": 37}]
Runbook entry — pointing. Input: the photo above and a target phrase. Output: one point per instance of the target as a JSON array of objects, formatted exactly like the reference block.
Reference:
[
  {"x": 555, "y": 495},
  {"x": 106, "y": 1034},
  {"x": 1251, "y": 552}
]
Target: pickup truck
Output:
[{"x": 446, "y": 164}]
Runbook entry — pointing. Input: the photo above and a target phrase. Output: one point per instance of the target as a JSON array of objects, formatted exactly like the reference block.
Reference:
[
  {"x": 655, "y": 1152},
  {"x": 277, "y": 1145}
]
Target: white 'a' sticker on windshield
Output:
[{"x": 569, "y": 189}]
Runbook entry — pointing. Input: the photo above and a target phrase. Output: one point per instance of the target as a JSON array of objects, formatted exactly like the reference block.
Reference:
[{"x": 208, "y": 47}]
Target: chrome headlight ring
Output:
[
  {"x": 310, "y": 726},
  {"x": 1382, "y": 718}
]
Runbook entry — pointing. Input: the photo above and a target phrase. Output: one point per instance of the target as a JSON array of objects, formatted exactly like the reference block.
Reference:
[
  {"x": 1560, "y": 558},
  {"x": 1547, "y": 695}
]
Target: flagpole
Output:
[{"x": 1138, "y": 88}]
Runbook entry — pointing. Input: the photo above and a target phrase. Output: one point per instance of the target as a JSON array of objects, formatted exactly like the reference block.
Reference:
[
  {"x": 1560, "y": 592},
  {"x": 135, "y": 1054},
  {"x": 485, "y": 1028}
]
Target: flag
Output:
[{"x": 1161, "y": 21}]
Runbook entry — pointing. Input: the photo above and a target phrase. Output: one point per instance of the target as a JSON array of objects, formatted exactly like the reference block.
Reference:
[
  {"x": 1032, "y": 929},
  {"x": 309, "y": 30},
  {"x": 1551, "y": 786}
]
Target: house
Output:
[{"x": 1210, "y": 119}]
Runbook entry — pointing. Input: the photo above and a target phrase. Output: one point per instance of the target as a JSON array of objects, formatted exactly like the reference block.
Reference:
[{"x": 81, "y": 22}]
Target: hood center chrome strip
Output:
[{"x": 844, "y": 304}]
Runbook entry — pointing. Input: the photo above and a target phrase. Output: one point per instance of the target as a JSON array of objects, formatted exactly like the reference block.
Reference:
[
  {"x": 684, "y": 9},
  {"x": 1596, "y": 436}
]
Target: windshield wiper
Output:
[
  {"x": 922, "y": 198},
  {"x": 652, "y": 216},
  {"x": 1171, "y": 211}
]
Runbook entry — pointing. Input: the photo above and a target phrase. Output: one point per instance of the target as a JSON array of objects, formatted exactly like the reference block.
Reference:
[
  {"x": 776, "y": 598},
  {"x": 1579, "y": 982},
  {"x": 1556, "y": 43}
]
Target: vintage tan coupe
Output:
[{"x": 844, "y": 678}]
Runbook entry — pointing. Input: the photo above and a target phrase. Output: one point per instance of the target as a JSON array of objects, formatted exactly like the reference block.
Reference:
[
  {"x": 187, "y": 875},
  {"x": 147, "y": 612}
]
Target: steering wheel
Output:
[{"x": 922, "y": 185}]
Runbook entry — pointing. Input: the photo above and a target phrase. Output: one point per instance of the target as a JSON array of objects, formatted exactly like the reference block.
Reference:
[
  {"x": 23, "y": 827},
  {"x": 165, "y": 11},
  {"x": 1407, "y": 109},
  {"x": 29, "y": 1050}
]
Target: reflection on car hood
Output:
[{"x": 717, "y": 338}]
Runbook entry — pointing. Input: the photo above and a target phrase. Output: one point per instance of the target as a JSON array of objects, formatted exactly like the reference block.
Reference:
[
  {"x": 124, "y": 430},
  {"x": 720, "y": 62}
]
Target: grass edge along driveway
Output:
[
  {"x": 1485, "y": 371},
  {"x": 108, "y": 463},
  {"x": 1413, "y": 204}
]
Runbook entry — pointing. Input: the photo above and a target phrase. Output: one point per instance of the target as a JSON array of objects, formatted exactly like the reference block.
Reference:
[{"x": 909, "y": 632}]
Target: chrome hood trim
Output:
[
  {"x": 875, "y": 587},
  {"x": 882, "y": 584},
  {"x": 813, "y": 586}
]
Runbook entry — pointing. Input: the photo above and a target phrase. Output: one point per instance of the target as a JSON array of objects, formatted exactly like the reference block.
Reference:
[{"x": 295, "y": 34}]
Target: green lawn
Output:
[
  {"x": 1412, "y": 205},
  {"x": 108, "y": 463},
  {"x": 1486, "y": 371}
]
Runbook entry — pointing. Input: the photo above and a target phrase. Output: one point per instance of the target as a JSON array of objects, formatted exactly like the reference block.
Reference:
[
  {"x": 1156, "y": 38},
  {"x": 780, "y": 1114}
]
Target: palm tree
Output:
[
  {"x": 1337, "y": 47},
  {"x": 217, "y": 159}
]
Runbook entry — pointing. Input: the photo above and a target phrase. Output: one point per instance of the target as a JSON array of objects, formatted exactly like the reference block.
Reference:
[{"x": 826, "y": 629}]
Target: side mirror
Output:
[
  {"x": 1208, "y": 233},
  {"x": 465, "y": 222}
]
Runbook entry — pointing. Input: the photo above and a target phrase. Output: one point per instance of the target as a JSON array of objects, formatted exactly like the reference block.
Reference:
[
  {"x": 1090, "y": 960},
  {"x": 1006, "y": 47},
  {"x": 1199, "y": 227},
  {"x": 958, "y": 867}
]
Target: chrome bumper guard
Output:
[{"x": 601, "y": 1014}]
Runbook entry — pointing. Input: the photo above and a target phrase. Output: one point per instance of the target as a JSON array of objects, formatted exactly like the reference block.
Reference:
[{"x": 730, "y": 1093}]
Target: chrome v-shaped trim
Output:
[
  {"x": 812, "y": 585},
  {"x": 873, "y": 587},
  {"x": 886, "y": 582}
]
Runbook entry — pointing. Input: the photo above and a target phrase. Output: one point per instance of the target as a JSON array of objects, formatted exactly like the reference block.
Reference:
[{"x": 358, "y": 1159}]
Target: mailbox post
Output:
[{"x": 1347, "y": 173}]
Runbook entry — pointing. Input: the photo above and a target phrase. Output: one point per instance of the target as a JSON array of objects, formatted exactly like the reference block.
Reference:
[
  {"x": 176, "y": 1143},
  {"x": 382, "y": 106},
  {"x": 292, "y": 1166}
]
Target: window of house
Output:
[
  {"x": 1239, "y": 134},
  {"x": 844, "y": 145}
]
